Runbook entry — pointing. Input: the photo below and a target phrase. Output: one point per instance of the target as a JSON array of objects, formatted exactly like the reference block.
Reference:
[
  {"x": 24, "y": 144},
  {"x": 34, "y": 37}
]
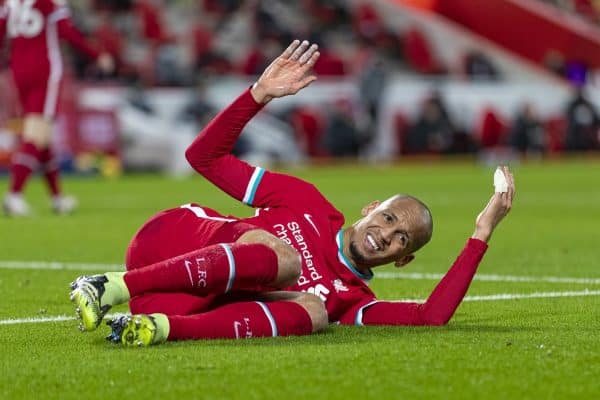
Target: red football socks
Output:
[
  {"x": 50, "y": 169},
  {"x": 215, "y": 269},
  {"x": 24, "y": 162},
  {"x": 243, "y": 320}
]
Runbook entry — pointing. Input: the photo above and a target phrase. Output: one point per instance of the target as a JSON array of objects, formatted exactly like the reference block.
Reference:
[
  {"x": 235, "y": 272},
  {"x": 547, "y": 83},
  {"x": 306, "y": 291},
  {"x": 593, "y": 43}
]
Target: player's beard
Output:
[{"x": 357, "y": 257}]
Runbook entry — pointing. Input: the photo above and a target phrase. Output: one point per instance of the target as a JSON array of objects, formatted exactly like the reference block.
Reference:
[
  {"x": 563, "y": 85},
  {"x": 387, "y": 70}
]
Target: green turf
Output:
[{"x": 527, "y": 349}]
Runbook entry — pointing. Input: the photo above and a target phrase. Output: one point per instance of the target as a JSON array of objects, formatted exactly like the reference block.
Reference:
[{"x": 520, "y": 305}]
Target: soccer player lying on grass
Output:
[{"x": 292, "y": 268}]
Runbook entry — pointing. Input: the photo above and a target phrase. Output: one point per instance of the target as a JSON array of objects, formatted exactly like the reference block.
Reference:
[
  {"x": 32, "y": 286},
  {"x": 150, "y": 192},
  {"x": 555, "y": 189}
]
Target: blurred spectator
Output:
[
  {"x": 269, "y": 21},
  {"x": 419, "y": 54},
  {"x": 113, "y": 5},
  {"x": 198, "y": 110},
  {"x": 168, "y": 70},
  {"x": 371, "y": 84},
  {"x": 111, "y": 41},
  {"x": 433, "y": 131},
  {"x": 152, "y": 27},
  {"x": 528, "y": 135},
  {"x": 259, "y": 57},
  {"x": 329, "y": 13},
  {"x": 329, "y": 64},
  {"x": 201, "y": 42},
  {"x": 478, "y": 67},
  {"x": 582, "y": 124},
  {"x": 492, "y": 129},
  {"x": 555, "y": 62},
  {"x": 367, "y": 22},
  {"x": 221, "y": 6},
  {"x": 587, "y": 9},
  {"x": 309, "y": 126},
  {"x": 576, "y": 72},
  {"x": 342, "y": 137}
]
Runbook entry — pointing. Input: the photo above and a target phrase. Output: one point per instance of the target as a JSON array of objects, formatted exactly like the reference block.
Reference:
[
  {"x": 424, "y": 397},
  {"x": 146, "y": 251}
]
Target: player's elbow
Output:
[
  {"x": 195, "y": 159},
  {"x": 429, "y": 317}
]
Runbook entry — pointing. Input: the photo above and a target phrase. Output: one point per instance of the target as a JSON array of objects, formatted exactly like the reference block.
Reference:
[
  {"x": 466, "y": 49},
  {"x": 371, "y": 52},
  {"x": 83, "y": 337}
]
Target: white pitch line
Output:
[
  {"x": 35, "y": 320},
  {"x": 57, "y": 265},
  {"x": 490, "y": 278},
  {"x": 39, "y": 320},
  {"x": 99, "y": 267},
  {"x": 534, "y": 295},
  {"x": 493, "y": 297}
]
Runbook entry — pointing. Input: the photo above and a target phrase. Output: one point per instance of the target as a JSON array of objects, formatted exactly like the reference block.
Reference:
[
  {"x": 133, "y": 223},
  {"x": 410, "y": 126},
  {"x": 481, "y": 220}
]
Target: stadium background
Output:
[
  {"x": 419, "y": 96},
  {"x": 396, "y": 78}
]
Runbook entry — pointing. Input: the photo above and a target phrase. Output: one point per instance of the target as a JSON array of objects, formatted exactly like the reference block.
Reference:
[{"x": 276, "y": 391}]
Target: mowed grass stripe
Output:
[
  {"x": 493, "y": 297},
  {"x": 78, "y": 266},
  {"x": 496, "y": 349}
]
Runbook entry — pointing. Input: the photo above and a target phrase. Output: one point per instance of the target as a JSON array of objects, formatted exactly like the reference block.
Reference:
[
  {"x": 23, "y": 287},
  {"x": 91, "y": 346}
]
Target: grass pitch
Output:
[{"x": 502, "y": 342}]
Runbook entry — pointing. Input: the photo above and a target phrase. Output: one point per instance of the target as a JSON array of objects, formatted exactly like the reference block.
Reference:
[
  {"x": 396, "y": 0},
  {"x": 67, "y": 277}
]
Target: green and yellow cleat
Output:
[
  {"x": 86, "y": 294},
  {"x": 135, "y": 330}
]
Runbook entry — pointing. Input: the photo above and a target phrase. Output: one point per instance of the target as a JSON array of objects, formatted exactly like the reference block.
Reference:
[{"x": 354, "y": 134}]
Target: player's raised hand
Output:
[
  {"x": 496, "y": 209},
  {"x": 288, "y": 73}
]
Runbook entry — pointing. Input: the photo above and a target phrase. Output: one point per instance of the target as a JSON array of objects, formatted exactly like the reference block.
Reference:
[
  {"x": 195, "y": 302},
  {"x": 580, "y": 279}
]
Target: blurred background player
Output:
[{"x": 35, "y": 28}]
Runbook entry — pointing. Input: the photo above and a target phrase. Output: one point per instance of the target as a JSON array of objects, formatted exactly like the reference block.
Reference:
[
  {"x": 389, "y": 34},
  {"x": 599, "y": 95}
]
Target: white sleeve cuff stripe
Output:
[
  {"x": 231, "y": 261},
  {"x": 253, "y": 185},
  {"x": 359, "y": 314},
  {"x": 200, "y": 213},
  {"x": 269, "y": 317}
]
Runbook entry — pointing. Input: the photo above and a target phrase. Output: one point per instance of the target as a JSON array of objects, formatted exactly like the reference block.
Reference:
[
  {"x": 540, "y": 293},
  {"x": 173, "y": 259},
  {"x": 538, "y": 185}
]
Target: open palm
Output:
[{"x": 288, "y": 73}]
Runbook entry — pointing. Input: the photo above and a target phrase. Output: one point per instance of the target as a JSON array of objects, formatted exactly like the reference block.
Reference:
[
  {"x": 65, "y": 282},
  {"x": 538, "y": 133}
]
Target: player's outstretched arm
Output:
[
  {"x": 288, "y": 73},
  {"x": 210, "y": 153}
]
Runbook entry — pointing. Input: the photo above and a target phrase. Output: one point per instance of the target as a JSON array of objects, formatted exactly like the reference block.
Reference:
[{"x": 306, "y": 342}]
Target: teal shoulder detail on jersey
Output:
[
  {"x": 253, "y": 185},
  {"x": 340, "y": 243}
]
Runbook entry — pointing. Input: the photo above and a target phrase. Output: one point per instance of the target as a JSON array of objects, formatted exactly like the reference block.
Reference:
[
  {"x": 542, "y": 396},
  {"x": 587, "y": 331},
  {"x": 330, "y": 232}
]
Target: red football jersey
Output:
[
  {"x": 297, "y": 213},
  {"x": 35, "y": 28}
]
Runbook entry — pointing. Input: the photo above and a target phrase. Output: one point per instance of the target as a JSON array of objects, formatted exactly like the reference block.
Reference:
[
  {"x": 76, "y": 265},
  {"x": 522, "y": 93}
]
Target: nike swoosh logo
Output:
[{"x": 308, "y": 217}]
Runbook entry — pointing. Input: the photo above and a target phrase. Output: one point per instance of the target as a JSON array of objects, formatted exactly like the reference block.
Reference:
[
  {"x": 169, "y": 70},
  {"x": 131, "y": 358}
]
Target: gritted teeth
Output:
[{"x": 372, "y": 242}]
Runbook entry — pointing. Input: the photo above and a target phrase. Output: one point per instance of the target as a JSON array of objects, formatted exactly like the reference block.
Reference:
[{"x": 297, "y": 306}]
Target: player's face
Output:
[{"x": 383, "y": 235}]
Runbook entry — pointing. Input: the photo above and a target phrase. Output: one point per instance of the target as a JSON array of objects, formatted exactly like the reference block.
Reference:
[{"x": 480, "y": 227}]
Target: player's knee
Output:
[
  {"x": 37, "y": 129},
  {"x": 290, "y": 264},
  {"x": 315, "y": 307}
]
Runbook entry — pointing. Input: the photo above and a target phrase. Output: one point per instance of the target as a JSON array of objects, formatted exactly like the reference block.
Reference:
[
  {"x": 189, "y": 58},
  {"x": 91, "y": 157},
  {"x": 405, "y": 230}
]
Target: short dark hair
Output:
[{"x": 425, "y": 232}]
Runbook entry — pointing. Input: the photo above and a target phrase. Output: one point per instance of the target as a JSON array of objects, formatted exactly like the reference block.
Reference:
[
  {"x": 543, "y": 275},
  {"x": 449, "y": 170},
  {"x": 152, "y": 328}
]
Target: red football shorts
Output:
[{"x": 178, "y": 231}]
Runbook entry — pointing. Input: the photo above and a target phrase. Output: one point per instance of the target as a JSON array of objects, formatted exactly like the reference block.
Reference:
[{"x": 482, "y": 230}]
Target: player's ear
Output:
[
  {"x": 404, "y": 260},
  {"x": 369, "y": 207}
]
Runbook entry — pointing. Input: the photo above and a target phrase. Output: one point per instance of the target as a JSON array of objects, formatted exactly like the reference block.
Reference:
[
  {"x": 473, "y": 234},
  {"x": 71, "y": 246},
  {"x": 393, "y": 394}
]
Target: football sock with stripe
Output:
[
  {"x": 24, "y": 162},
  {"x": 215, "y": 269},
  {"x": 51, "y": 171},
  {"x": 243, "y": 320}
]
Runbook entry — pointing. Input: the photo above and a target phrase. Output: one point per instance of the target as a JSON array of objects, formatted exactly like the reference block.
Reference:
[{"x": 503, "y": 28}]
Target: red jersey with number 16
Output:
[{"x": 35, "y": 28}]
